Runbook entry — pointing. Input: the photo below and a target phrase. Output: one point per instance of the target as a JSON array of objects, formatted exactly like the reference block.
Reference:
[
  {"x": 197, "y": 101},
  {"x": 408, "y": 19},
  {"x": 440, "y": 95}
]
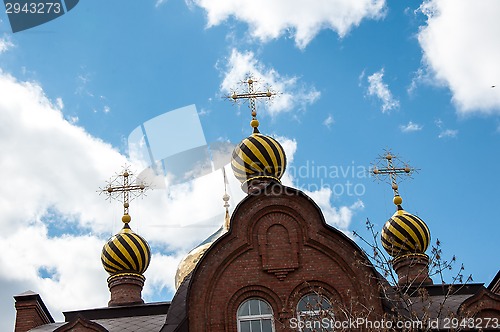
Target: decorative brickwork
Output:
[
  {"x": 483, "y": 304},
  {"x": 278, "y": 248},
  {"x": 31, "y": 312},
  {"x": 412, "y": 270},
  {"x": 81, "y": 324},
  {"x": 125, "y": 289}
]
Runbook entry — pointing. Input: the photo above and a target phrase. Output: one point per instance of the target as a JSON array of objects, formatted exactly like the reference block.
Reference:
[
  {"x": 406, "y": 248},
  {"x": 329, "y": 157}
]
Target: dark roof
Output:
[
  {"x": 443, "y": 300},
  {"x": 494, "y": 285},
  {"x": 177, "y": 315},
  {"x": 147, "y": 309},
  {"x": 125, "y": 324},
  {"x": 148, "y": 317}
]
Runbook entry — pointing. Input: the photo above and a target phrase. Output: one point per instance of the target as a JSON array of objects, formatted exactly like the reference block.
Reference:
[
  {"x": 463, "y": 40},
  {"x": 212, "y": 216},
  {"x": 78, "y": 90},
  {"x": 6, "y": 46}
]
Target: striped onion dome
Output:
[
  {"x": 404, "y": 234},
  {"x": 258, "y": 156},
  {"x": 126, "y": 252}
]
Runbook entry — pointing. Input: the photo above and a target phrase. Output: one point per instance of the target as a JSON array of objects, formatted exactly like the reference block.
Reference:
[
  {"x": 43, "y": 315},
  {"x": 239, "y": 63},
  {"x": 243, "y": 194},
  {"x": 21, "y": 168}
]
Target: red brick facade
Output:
[
  {"x": 30, "y": 312},
  {"x": 125, "y": 289},
  {"x": 279, "y": 248},
  {"x": 484, "y": 304}
]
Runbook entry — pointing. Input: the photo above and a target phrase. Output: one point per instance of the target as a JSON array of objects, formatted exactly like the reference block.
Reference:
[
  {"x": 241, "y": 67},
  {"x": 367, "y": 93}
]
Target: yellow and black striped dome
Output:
[
  {"x": 126, "y": 252},
  {"x": 258, "y": 156},
  {"x": 405, "y": 233}
]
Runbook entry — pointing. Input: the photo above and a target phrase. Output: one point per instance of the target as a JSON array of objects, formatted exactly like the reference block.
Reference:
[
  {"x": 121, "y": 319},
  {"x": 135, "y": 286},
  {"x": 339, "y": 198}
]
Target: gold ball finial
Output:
[
  {"x": 375, "y": 171},
  {"x": 234, "y": 96},
  {"x": 254, "y": 113},
  {"x": 394, "y": 186},
  {"x": 125, "y": 174},
  {"x": 407, "y": 169},
  {"x": 250, "y": 81},
  {"x": 397, "y": 200},
  {"x": 126, "y": 205},
  {"x": 110, "y": 190},
  {"x": 126, "y": 218},
  {"x": 254, "y": 123},
  {"x": 388, "y": 157},
  {"x": 269, "y": 94}
]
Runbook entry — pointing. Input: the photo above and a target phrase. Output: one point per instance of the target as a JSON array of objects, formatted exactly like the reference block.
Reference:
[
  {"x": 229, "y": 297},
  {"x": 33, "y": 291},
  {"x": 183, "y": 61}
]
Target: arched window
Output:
[
  {"x": 255, "y": 315},
  {"x": 315, "y": 313}
]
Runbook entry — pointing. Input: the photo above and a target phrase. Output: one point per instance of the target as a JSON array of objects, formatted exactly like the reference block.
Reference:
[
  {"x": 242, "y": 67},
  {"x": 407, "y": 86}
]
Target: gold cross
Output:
[
  {"x": 121, "y": 189},
  {"x": 251, "y": 95},
  {"x": 395, "y": 167}
]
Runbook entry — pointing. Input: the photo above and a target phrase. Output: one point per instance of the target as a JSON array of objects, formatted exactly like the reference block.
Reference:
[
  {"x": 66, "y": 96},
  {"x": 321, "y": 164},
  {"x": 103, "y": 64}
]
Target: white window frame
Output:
[{"x": 260, "y": 317}]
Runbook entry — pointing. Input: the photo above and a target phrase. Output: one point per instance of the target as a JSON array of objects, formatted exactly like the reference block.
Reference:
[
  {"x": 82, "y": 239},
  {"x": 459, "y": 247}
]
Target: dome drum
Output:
[{"x": 412, "y": 269}]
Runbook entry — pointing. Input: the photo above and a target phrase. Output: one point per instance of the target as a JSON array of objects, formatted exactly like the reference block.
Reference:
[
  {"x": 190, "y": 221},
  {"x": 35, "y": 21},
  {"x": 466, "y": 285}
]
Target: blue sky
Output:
[{"x": 354, "y": 78}]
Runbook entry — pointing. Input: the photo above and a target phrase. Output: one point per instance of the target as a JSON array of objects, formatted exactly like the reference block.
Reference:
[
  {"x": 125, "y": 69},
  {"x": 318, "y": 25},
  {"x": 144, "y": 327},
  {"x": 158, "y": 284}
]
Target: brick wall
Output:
[
  {"x": 279, "y": 248},
  {"x": 30, "y": 312}
]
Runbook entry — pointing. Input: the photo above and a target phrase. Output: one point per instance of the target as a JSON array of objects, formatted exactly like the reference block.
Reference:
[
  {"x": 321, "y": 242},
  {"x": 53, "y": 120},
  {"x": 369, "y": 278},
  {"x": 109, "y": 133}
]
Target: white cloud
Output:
[
  {"x": 53, "y": 219},
  {"x": 379, "y": 89},
  {"x": 339, "y": 217},
  {"x": 461, "y": 51},
  {"x": 302, "y": 19},
  {"x": 50, "y": 167},
  {"x": 329, "y": 121},
  {"x": 410, "y": 127},
  {"x": 59, "y": 103},
  {"x": 291, "y": 94},
  {"x": 445, "y": 132},
  {"x": 51, "y": 162},
  {"x": 73, "y": 119},
  {"x": 74, "y": 260},
  {"x": 159, "y": 3},
  {"x": 448, "y": 133},
  {"x": 5, "y": 44}
]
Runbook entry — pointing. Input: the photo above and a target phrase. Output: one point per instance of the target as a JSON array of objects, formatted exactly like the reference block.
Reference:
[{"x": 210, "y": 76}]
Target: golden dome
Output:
[
  {"x": 188, "y": 263},
  {"x": 258, "y": 156},
  {"x": 126, "y": 252},
  {"x": 405, "y": 233}
]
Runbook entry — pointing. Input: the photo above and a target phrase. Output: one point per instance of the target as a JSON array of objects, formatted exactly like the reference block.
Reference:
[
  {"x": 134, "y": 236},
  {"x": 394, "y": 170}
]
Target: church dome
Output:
[
  {"x": 188, "y": 263},
  {"x": 126, "y": 252},
  {"x": 405, "y": 233},
  {"x": 258, "y": 156}
]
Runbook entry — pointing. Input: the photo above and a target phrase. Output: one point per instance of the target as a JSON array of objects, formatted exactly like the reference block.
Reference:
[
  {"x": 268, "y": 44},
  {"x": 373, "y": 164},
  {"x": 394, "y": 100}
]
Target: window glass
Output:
[
  {"x": 315, "y": 312},
  {"x": 255, "y": 315}
]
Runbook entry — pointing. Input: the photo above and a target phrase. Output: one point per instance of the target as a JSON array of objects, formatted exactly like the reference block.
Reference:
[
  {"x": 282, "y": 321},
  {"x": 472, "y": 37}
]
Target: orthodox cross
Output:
[
  {"x": 394, "y": 167},
  {"x": 251, "y": 95},
  {"x": 123, "y": 189}
]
